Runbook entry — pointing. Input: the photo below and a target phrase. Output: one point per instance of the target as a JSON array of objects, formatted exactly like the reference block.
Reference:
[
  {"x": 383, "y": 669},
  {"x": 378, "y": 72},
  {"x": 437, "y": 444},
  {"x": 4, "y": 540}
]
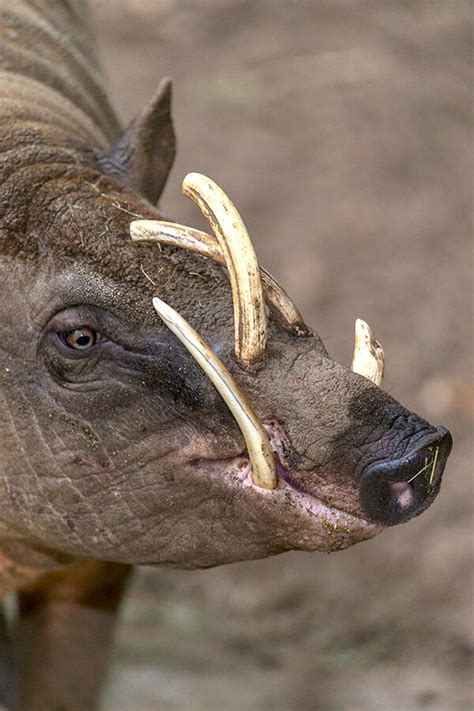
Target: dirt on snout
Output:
[{"x": 342, "y": 131}]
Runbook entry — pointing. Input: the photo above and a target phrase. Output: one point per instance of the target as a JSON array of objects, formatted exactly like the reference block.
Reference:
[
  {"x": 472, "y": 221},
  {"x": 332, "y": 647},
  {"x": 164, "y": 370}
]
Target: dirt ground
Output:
[{"x": 342, "y": 130}]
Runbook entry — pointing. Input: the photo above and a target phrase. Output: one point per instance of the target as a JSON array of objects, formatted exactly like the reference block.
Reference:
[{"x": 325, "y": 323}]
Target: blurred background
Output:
[{"x": 342, "y": 132}]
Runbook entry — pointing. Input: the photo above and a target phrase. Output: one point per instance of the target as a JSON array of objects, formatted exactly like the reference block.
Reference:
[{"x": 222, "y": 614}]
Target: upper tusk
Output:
[
  {"x": 250, "y": 321},
  {"x": 175, "y": 235},
  {"x": 258, "y": 446},
  {"x": 368, "y": 357},
  {"x": 281, "y": 304},
  {"x": 206, "y": 245}
]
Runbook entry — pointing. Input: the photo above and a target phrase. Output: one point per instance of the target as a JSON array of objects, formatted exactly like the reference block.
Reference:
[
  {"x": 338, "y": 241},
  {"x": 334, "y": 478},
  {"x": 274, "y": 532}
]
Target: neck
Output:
[
  {"x": 22, "y": 562},
  {"x": 49, "y": 75}
]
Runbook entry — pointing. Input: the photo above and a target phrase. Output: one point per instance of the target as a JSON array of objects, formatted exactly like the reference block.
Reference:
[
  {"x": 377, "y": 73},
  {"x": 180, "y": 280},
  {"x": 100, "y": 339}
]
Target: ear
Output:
[{"x": 143, "y": 155}]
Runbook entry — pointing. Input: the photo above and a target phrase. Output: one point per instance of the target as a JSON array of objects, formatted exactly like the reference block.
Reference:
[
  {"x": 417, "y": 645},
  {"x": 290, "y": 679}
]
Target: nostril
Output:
[
  {"x": 399, "y": 494},
  {"x": 395, "y": 490}
]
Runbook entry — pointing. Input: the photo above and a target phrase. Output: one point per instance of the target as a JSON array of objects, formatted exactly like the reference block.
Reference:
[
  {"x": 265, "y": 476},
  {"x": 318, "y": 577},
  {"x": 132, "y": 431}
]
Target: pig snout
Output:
[{"x": 394, "y": 491}]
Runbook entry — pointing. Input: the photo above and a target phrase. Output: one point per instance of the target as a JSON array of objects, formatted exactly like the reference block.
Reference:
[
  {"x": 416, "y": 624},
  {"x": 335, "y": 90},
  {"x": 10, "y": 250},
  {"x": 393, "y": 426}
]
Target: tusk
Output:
[
  {"x": 250, "y": 321},
  {"x": 368, "y": 357},
  {"x": 281, "y": 304},
  {"x": 170, "y": 233},
  {"x": 259, "y": 450},
  {"x": 174, "y": 235}
]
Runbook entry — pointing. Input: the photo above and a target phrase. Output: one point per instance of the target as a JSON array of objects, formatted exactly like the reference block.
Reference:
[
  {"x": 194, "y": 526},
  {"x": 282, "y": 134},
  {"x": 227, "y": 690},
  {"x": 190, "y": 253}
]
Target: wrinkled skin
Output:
[{"x": 123, "y": 453}]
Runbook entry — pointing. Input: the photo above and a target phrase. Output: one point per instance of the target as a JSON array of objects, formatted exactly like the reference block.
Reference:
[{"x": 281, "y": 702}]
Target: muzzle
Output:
[{"x": 395, "y": 491}]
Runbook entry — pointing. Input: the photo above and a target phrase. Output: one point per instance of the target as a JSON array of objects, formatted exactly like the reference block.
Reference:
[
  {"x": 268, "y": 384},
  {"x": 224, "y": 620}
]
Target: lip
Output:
[{"x": 312, "y": 512}]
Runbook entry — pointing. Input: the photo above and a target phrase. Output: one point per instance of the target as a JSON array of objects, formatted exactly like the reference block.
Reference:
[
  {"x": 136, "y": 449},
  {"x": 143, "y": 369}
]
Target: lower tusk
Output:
[
  {"x": 258, "y": 446},
  {"x": 368, "y": 357}
]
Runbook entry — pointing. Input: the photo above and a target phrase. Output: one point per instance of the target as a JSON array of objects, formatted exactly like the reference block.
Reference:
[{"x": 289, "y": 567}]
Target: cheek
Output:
[
  {"x": 136, "y": 515},
  {"x": 102, "y": 476}
]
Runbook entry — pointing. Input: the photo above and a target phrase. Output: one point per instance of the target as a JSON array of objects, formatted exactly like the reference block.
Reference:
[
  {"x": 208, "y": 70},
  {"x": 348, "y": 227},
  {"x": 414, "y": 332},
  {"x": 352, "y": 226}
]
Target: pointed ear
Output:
[{"x": 143, "y": 155}]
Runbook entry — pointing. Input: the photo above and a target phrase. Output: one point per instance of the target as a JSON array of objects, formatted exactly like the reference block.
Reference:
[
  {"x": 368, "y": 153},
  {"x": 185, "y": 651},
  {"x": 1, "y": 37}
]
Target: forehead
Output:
[
  {"x": 68, "y": 283},
  {"x": 76, "y": 240}
]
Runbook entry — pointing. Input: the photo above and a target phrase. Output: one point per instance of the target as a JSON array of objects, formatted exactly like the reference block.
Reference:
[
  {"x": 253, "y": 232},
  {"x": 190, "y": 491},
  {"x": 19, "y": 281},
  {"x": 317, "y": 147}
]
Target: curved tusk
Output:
[
  {"x": 281, "y": 304},
  {"x": 250, "y": 321},
  {"x": 175, "y": 235},
  {"x": 170, "y": 233},
  {"x": 260, "y": 453},
  {"x": 368, "y": 357}
]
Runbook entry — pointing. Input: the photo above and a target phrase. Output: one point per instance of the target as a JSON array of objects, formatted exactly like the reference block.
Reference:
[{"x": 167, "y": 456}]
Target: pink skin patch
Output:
[{"x": 403, "y": 491}]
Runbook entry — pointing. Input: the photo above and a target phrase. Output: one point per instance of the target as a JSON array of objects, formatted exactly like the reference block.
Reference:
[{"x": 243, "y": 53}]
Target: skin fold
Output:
[{"x": 123, "y": 453}]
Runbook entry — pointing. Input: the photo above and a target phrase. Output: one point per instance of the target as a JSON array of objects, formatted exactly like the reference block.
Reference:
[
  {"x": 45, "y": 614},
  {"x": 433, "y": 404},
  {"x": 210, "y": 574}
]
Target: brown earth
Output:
[{"x": 342, "y": 131}]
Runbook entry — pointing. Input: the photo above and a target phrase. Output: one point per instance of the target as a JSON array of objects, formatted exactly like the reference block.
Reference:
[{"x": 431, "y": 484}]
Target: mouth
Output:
[
  {"x": 391, "y": 492},
  {"x": 315, "y": 516}
]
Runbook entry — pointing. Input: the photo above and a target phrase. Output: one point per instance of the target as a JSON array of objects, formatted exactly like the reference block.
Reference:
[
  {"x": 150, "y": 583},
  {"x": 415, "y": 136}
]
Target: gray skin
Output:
[{"x": 124, "y": 453}]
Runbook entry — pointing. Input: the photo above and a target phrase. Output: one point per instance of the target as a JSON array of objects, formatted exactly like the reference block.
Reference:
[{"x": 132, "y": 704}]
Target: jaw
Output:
[
  {"x": 301, "y": 519},
  {"x": 307, "y": 523}
]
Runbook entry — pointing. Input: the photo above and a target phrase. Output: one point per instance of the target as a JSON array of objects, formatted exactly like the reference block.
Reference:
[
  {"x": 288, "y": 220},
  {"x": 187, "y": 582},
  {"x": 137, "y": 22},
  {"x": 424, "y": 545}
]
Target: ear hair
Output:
[{"x": 144, "y": 153}]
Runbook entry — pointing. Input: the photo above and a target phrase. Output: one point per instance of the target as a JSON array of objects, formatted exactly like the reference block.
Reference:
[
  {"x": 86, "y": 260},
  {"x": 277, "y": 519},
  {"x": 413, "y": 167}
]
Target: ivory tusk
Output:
[
  {"x": 250, "y": 321},
  {"x": 170, "y": 233},
  {"x": 281, "y": 304},
  {"x": 368, "y": 357},
  {"x": 261, "y": 457},
  {"x": 175, "y": 235}
]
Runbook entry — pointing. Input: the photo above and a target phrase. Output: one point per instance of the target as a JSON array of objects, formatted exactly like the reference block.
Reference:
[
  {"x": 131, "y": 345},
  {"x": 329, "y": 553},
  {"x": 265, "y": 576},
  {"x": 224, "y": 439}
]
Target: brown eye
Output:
[{"x": 80, "y": 338}]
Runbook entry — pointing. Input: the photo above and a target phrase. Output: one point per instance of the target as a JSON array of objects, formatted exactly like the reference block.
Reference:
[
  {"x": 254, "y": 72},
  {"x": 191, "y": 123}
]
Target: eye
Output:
[{"x": 80, "y": 339}]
